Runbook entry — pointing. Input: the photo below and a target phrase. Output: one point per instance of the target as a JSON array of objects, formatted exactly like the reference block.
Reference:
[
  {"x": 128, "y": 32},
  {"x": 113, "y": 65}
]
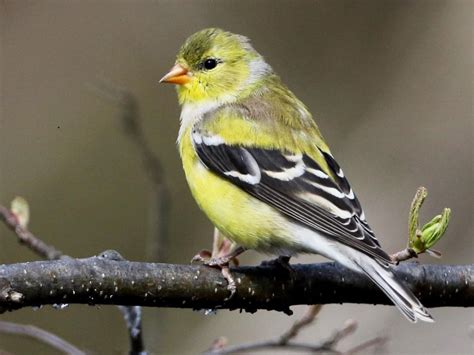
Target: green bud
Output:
[
  {"x": 420, "y": 240},
  {"x": 434, "y": 229}
]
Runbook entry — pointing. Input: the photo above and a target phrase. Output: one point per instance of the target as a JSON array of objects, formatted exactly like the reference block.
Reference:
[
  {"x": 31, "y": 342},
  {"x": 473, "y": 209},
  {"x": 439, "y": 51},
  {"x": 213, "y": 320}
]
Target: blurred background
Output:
[{"x": 389, "y": 81}]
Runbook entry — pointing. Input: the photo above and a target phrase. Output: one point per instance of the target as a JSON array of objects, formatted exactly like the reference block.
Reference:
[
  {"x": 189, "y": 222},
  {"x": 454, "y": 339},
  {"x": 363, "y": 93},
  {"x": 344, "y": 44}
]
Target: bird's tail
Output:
[{"x": 398, "y": 293}]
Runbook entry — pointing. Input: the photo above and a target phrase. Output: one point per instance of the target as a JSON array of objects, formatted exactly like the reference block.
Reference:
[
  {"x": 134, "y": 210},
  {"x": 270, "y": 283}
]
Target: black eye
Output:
[{"x": 209, "y": 64}]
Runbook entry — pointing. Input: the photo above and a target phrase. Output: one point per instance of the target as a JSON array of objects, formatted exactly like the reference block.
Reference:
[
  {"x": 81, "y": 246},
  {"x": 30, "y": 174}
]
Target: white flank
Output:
[{"x": 316, "y": 243}]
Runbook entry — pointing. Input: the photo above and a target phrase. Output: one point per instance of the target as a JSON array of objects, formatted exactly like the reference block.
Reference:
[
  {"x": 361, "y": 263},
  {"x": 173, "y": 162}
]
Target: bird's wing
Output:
[{"x": 295, "y": 185}]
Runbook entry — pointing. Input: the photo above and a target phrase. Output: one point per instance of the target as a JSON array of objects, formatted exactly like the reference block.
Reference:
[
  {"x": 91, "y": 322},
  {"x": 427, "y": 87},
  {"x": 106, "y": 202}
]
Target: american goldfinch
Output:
[{"x": 258, "y": 166}]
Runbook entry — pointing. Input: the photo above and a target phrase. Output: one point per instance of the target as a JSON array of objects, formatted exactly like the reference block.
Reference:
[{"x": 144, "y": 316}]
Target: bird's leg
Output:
[{"x": 223, "y": 253}]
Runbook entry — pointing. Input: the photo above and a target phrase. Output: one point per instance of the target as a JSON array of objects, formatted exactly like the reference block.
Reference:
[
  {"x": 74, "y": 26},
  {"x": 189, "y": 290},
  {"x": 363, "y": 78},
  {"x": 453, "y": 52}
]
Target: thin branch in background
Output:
[
  {"x": 18, "y": 224},
  {"x": 26, "y": 237},
  {"x": 133, "y": 318},
  {"x": 349, "y": 327},
  {"x": 307, "y": 319},
  {"x": 160, "y": 202},
  {"x": 285, "y": 341},
  {"x": 375, "y": 342},
  {"x": 41, "y": 336}
]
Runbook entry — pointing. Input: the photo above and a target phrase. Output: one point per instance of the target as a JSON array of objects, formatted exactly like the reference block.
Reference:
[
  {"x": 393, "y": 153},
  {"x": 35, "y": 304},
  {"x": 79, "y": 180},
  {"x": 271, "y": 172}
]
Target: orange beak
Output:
[{"x": 177, "y": 75}]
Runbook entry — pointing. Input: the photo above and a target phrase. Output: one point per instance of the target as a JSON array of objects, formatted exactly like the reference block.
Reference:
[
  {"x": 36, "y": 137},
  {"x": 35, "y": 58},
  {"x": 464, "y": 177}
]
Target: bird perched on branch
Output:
[{"x": 258, "y": 166}]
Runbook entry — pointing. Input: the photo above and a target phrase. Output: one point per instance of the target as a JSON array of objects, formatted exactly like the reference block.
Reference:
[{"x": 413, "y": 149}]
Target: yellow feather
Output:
[{"x": 244, "y": 219}]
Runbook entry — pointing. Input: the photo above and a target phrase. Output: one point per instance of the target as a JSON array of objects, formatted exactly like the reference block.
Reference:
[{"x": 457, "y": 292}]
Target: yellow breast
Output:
[{"x": 244, "y": 219}]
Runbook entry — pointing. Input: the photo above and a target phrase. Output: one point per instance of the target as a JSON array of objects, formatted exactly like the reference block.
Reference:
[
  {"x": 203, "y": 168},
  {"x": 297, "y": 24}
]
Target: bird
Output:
[{"x": 258, "y": 166}]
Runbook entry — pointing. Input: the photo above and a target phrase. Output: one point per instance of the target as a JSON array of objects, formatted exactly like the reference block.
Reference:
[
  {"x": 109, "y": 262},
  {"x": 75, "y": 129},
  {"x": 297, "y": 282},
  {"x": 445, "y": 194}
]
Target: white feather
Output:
[
  {"x": 255, "y": 175},
  {"x": 248, "y": 178},
  {"x": 192, "y": 113},
  {"x": 290, "y": 173},
  {"x": 324, "y": 203},
  {"x": 350, "y": 195},
  {"x": 317, "y": 172},
  {"x": 213, "y": 140},
  {"x": 330, "y": 190}
]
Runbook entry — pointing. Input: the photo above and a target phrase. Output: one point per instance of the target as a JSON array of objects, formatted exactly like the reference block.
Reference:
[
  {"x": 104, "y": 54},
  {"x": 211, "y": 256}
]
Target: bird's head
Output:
[{"x": 215, "y": 65}]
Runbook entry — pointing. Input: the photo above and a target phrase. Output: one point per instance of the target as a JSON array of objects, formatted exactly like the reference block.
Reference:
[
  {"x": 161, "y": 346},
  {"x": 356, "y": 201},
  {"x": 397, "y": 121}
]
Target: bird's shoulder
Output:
[{"x": 272, "y": 117}]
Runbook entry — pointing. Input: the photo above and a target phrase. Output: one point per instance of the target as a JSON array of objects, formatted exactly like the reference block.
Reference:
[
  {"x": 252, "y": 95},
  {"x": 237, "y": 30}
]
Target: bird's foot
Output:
[
  {"x": 205, "y": 257},
  {"x": 222, "y": 262},
  {"x": 282, "y": 263}
]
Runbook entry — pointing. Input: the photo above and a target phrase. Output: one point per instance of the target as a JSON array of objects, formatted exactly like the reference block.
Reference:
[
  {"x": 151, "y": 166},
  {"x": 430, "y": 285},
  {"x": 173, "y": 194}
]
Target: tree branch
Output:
[
  {"x": 108, "y": 280},
  {"x": 40, "y": 335}
]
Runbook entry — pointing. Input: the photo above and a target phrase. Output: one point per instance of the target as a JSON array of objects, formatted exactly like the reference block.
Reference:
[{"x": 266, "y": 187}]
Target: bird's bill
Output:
[{"x": 177, "y": 75}]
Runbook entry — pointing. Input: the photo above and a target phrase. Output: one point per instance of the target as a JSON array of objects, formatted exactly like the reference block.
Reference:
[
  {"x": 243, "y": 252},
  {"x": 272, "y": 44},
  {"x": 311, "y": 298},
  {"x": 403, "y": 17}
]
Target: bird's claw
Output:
[
  {"x": 201, "y": 257},
  {"x": 231, "y": 285}
]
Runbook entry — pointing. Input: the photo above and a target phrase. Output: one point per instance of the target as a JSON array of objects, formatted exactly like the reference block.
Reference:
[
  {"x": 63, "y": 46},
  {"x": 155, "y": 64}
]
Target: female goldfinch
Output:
[{"x": 259, "y": 168}]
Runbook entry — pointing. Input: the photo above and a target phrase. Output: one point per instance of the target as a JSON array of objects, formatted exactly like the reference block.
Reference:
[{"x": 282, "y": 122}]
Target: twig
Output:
[
  {"x": 307, "y": 319},
  {"x": 366, "y": 344},
  {"x": 27, "y": 238},
  {"x": 349, "y": 327},
  {"x": 284, "y": 341},
  {"x": 403, "y": 255},
  {"x": 271, "y": 344},
  {"x": 40, "y": 335},
  {"x": 132, "y": 315}
]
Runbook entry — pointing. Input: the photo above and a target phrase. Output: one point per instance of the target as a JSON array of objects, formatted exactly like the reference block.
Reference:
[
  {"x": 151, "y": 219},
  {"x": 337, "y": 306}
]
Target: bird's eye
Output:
[{"x": 209, "y": 64}]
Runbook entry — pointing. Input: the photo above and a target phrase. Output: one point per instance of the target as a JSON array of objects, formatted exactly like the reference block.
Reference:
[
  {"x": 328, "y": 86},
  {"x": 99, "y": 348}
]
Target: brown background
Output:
[{"x": 390, "y": 83}]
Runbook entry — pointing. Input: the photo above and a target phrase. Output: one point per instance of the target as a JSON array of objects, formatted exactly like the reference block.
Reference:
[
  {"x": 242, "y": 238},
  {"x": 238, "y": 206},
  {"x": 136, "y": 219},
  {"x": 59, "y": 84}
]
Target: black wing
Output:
[{"x": 297, "y": 186}]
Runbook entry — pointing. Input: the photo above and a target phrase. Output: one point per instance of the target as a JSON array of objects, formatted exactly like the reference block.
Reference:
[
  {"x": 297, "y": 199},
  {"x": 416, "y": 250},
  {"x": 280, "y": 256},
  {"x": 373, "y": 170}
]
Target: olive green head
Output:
[{"x": 215, "y": 65}]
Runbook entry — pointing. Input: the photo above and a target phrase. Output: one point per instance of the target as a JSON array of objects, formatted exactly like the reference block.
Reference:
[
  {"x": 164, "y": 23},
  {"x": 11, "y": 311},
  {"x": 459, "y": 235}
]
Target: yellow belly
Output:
[{"x": 244, "y": 219}]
